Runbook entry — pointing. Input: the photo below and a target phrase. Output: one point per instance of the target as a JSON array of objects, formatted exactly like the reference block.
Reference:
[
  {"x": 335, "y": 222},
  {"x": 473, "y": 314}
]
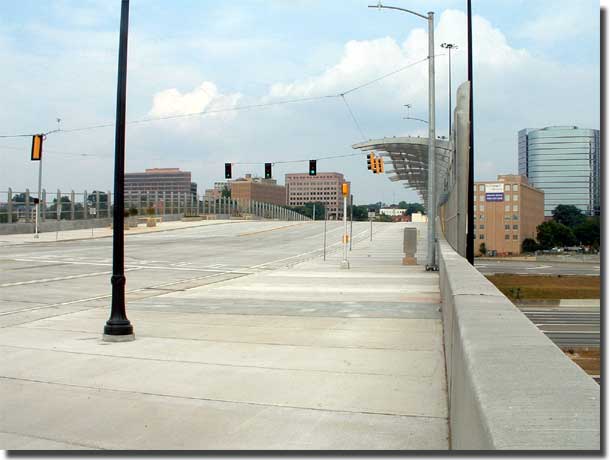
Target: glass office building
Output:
[{"x": 564, "y": 162}]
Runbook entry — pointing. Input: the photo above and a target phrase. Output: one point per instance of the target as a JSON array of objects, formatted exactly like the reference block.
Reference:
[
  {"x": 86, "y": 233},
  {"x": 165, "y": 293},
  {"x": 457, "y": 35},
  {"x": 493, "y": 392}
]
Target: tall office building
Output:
[
  {"x": 160, "y": 184},
  {"x": 323, "y": 188},
  {"x": 564, "y": 162}
]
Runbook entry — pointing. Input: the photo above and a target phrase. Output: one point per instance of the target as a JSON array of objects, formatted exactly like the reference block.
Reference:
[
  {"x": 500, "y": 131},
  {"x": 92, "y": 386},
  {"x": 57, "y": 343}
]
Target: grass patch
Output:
[{"x": 531, "y": 287}]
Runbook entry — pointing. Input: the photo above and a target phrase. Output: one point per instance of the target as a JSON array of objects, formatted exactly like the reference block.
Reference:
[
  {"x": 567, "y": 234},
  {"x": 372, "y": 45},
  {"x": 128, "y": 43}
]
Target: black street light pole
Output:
[
  {"x": 470, "y": 213},
  {"x": 118, "y": 327}
]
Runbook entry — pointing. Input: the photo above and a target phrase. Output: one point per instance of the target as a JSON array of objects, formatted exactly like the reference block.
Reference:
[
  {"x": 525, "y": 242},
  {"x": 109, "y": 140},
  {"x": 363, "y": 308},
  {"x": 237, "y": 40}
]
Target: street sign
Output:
[
  {"x": 372, "y": 214},
  {"x": 92, "y": 211}
]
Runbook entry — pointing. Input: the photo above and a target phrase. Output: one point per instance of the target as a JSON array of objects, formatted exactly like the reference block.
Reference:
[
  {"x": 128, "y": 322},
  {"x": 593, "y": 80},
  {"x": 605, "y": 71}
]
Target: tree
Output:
[
  {"x": 92, "y": 200},
  {"x": 64, "y": 207},
  {"x": 588, "y": 233},
  {"x": 568, "y": 215},
  {"x": 226, "y": 192},
  {"x": 411, "y": 208},
  {"x": 552, "y": 234},
  {"x": 483, "y": 249},
  {"x": 529, "y": 245}
]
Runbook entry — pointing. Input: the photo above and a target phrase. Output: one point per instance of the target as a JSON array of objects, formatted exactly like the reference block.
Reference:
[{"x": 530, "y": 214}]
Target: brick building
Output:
[
  {"x": 325, "y": 187},
  {"x": 506, "y": 212},
  {"x": 258, "y": 189},
  {"x": 162, "y": 183}
]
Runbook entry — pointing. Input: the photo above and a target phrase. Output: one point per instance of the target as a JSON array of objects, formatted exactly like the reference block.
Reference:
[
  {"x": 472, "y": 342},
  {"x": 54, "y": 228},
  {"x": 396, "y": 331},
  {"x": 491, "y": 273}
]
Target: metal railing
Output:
[{"x": 19, "y": 207}]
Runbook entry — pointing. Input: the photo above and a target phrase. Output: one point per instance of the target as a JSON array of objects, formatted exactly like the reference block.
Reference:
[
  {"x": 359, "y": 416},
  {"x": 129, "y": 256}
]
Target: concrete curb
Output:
[{"x": 509, "y": 386}]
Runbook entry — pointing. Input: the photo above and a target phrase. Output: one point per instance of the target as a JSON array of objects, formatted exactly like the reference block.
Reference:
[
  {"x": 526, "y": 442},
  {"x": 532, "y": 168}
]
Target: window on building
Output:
[
  {"x": 507, "y": 188},
  {"x": 481, "y": 188},
  {"x": 515, "y": 188},
  {"x": 516, "y": 208},
  {"x": 507, "y": 208},
  {"x": 482, "y": 227},
  {"x": 516, "y": 237},
  {"x": 481, "y": 208},
  {"x": 515, "y": 197},
  {"x": 507, "y": 227},
  {"x": 506, "y": 197},
  {"x": 515, "y": 227},
  {"x": 481, "y": 216},
  {"x": 507, "y": 237},
  {"x": 515, "y": 217},
  {"x": 481, "y": 237}
]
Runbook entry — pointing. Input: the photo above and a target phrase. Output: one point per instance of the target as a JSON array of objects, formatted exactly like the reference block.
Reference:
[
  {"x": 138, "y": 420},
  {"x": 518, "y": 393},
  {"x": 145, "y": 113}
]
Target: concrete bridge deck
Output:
[{"x": 245, "y": 339}]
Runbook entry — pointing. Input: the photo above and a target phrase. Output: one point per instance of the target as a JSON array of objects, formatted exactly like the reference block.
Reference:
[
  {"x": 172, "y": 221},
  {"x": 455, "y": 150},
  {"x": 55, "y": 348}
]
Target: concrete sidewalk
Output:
[{"x": 306, "y": 357}]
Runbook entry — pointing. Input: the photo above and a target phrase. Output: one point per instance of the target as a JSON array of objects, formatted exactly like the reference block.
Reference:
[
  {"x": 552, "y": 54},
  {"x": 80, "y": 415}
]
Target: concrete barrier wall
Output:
[{"x": 509, "y": 386}]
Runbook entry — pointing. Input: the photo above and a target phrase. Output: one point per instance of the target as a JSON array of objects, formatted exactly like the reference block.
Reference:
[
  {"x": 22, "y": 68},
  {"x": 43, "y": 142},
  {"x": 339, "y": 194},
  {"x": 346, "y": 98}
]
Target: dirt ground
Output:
[
  {"x": 587, "y": 358},
  {"x": 531, "y": 287}
]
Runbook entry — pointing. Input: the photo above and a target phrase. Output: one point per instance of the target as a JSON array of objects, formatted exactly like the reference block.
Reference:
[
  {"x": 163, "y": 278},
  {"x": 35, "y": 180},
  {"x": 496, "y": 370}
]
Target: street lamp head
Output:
[{"x": 449, "y": 46}]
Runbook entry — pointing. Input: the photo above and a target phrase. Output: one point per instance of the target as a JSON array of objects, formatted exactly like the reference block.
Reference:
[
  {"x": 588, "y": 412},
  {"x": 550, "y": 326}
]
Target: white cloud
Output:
[{"x": 204, "y": 97}]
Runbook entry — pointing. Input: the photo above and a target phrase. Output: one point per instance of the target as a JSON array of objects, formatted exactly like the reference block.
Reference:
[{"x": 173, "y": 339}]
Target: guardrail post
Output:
[
  {"x": 9, "y": 200},
  {"x": 72, "y": 206},
  {"x": 43, "y": 205},
  {"x": 85, "y": 210},
  {"x": 28, "y": 213},
  {"x": 97, "y": 204},
  {"x": 109, "y": 204},
  {"x": 58, "y": 206}
]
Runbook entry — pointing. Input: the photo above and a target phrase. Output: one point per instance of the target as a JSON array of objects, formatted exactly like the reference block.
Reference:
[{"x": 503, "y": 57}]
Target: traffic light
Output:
[
  {"x": 268, "y": 174},
  {"x": 345, "y": 189},
  {"x": 375, "y": 166},
  {"x": 313, "y": 168},
  {"x": 380, "y": 166},
  {"x": 37, "y": 147},
  {"x": 228, "y": 170},
  {"x": 370, "y": 159}
]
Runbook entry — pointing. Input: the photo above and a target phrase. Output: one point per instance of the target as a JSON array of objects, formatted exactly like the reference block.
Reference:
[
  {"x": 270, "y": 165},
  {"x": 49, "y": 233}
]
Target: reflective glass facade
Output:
[{"x": 564, "y": 162}]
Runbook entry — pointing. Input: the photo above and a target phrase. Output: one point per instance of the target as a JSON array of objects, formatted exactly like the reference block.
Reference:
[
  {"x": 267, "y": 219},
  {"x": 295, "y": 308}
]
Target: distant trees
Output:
[
  {"x": 483, "y": 249},
  {"x": 569, "y": 227},
  {"x": 568, "y": 215},
  {"x": 552, "y": 234},
  {"x": 529, "y": 245},
  {"x": 226, "y": 192},
  {"x": 412, "y": 208}
]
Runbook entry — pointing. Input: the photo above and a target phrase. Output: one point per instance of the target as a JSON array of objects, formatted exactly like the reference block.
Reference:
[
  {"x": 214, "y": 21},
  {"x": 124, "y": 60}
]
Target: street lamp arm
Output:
[{"x": 399, "y": 9}]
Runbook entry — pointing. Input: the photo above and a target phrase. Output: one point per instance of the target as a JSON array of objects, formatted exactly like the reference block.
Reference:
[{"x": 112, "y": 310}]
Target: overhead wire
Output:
[{"x": 228, "y": 109}]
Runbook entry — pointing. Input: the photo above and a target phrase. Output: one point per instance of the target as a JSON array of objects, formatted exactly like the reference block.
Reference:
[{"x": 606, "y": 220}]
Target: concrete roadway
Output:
[
  {"x": 567, "y": 327},
  {"x": 245, "y": 339},
  {"x": 491, "y": 267}
]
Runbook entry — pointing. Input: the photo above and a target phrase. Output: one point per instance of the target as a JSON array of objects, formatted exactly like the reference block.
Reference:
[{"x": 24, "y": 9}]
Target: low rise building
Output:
[
  {"x": 325, "y": 187},
  {"x": 506, "y": 212},
  {"x": 258, "y": 189},
  {"x": 159, "y": 185}
]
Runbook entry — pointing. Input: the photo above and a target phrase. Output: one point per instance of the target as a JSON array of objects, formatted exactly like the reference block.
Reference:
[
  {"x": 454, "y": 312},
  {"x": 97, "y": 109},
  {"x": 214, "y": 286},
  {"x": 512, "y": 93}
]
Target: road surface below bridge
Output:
[
  {"x": 492, "y": 267},
  {"x": 245, "y": 339}
]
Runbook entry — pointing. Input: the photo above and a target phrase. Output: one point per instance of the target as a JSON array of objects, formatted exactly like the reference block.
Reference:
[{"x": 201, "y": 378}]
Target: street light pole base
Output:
[
  {"x": 345, "y": 264},
  {"x": 118, "y": 338}
]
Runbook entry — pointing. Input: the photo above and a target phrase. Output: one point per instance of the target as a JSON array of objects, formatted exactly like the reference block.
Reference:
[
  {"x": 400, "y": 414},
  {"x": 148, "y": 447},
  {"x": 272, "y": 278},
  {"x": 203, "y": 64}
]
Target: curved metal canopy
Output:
[{"x": 409, "y": 157}]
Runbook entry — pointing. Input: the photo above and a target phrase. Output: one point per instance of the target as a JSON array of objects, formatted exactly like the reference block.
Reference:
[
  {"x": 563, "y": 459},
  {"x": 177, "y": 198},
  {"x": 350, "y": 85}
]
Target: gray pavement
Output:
[
  {"x": 245, "y": 339},
  {"x": 521, "y": 267}
]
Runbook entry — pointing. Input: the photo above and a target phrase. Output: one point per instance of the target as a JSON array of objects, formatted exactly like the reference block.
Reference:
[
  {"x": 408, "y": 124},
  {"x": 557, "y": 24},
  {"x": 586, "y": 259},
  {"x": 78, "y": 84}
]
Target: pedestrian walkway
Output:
[{"x": 310, "y": 356}]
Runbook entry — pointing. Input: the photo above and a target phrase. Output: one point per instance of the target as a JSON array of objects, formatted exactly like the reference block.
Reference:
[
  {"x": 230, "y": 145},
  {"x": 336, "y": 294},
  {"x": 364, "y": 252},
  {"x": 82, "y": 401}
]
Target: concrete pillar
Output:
[
  {"x": 28, "y": 214},
  {"x": 9, "y": 200},
  {"x": 109, "y": 204},
  {"x": 43, "y": 206},
  {"x": 97, "y": 205},
  {"x": 59, "y": 207},
  {"x": 72, "y": 206},
  {"x": 171, "y": 202},
  {"x": 85, "y": 212}
]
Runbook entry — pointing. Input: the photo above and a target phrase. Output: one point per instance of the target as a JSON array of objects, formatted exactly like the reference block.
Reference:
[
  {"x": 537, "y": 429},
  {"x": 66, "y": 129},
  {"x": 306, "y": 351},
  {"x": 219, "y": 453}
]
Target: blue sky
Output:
[{"x": 537, "y": 64}]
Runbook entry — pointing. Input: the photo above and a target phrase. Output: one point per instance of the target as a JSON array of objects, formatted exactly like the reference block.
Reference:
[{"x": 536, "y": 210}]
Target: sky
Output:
[{"x": 536, "y": 64}]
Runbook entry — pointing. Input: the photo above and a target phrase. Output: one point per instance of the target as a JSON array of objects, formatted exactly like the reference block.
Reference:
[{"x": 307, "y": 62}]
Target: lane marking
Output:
[
  {"x": 61, "y": 278},
  {"x": 272, "y": 229}
]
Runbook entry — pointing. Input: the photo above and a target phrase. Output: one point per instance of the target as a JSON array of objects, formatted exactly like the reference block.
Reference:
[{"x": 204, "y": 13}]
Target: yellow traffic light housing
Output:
[
  {"x": 37, "y": 147},
  {"x": 345, "y": 189},
  {"x": 380, "y": 166},
  {"x": 370, "y": 160}
]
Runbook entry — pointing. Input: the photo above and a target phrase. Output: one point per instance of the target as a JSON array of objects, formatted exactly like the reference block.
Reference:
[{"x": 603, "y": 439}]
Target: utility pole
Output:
[
  {"x": 39, "y": 203},
  {"x": 351, "y": 219},
  {"x": 345, "y": 262},
  {"x": 118, "y": 328},
  {"x": 431, "y": 260},
  {"x": 470, "y": 233},
  {"x": 325, "y": 219}
]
